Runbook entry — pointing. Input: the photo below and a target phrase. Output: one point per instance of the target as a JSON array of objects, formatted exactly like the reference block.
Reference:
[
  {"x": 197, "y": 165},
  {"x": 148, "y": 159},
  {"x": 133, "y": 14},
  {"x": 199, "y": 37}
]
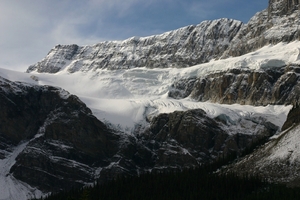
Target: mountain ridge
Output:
[
  {"x": 184, "y": 47},
  {"x": 142, "y": 108}
]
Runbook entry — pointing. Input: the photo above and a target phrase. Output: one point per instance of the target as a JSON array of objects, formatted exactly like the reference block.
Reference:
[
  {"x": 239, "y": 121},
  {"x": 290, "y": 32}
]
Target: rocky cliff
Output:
[
  {"x": 52, "y": 141},
  {"x": 277, "y": 160},
  {"x": 58, "y": 139},
  {"x": 64, "y": 145},
  {"x": 279, "y": 86},
  {"x": 278, "y": 23},
  {"x": 180, "y": 48},
  {"x": 282, "y": 7}
]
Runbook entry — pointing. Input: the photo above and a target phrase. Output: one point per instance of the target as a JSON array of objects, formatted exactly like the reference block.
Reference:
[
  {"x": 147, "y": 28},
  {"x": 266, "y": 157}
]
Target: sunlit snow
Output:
[
  {"x": 10, "y": 188},
  {"x": 124, "y": 98}
]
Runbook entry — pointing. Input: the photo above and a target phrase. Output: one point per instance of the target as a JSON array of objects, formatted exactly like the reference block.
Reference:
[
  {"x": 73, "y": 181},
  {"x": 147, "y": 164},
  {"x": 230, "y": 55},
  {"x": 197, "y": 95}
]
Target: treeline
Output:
[{"x": 189, "y": 184}]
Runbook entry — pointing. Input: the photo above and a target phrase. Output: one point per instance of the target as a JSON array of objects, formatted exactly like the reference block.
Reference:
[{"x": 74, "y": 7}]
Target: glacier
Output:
[
  {"x": 129, "y": 96},
  {"x": 124, "y": 98}
]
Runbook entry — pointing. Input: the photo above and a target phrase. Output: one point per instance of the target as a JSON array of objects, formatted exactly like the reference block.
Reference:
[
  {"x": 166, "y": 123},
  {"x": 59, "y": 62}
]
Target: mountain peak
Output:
[
  {"x": 179, "y": 48},
  {"x": 183, "y": 47}
]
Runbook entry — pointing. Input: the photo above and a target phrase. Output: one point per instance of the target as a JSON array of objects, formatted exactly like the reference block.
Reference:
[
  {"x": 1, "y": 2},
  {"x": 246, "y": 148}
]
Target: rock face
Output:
[
  {"x": 277, "y": 160},
  {"x": 62, "y": 141},
  {"x": 184, "y": 47},
  {"x": 282, "y": 7},
  {"x": 272, "y": 86},
  {"x": 58, "y": 144},
  {"x": 278, "y": 23},
  {"x": 179, "y": 48},
  {"x": 62, "y": 145},
  {"x": 184, "y": 140},
  {"x": 194, "y": 136}
]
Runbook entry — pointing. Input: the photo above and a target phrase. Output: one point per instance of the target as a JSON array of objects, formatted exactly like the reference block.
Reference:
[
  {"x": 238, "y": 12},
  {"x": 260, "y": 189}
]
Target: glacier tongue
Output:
[{"x": 127, "y": 113}]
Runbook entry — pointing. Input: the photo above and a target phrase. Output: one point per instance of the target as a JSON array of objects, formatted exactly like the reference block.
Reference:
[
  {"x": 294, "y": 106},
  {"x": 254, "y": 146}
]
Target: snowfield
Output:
[{"x": 124, "y": 98}]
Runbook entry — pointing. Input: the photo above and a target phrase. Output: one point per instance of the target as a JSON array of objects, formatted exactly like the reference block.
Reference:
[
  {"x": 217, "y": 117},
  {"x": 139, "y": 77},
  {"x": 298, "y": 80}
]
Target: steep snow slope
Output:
[
  {"x": 10, "y": 188},
  {"x": 276, "y": 161},
  {"x": 125, "y": 98}
]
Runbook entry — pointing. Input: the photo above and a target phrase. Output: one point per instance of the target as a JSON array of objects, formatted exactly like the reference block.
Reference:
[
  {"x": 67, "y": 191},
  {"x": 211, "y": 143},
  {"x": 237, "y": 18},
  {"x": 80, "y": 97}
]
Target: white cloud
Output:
[{"x": 29, "y": 29}]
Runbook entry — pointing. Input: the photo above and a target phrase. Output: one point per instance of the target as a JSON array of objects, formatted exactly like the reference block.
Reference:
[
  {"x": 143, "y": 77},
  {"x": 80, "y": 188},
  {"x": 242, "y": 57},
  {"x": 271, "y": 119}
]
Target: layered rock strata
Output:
[{"x": 272, "y": 86}]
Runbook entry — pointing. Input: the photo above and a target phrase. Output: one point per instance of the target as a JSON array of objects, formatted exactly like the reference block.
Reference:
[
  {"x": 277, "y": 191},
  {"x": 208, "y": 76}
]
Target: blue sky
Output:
[{"x": 30, "y": 28}]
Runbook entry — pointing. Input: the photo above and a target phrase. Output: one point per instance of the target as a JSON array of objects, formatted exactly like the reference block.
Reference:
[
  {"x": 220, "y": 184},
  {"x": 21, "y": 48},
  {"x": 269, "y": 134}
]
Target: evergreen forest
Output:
[{"x": 200, "y": 183}]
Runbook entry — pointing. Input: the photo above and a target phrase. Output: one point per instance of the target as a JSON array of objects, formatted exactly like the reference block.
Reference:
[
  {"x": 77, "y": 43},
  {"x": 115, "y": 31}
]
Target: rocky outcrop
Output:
[
  {"x": 272, "y": 86},
  {"x": 276, "y": 161},
  {"x": 278, "y": 23},
  {"x": 293, "y": 118},
  {"x": 58, "y": 144},
  {"x": 192, "y": 138},
  {"x": 62, "y": 142},
  {"x": 282, "y": 7},
  {"x": 186, "y": 139}
]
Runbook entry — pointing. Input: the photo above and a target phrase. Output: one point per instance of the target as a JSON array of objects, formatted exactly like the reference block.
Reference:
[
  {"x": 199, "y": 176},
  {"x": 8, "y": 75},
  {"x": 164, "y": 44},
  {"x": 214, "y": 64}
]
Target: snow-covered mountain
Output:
[
  {"x": 179, "y": 48},
  {"x": 278, "y": 159},
  {"x": 151, "y": 104},
  {"x": 62, "y": 145},
  {"x": 279, "y": 23}
]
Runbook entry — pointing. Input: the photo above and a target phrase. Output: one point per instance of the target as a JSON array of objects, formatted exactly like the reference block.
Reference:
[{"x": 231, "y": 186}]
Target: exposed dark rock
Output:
[
  {"x": 278, "y": 23},
  {"x": 276, "y": 161},
  {"x": 293, "y": 118},
  {"x": 182, "y": 88},
  {"x": 190, "y": 138},
  {"x": 282, "y": 7},
  {"x": 272, "y": 86},
  {"x": 65, "y": 141}
]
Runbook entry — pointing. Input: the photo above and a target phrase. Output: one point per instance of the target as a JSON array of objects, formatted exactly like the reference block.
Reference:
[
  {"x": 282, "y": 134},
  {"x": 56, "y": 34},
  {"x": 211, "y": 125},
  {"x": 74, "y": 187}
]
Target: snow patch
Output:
[
  {"x": 288, "y": 146},
  {"x": 10, "y": 188}
]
